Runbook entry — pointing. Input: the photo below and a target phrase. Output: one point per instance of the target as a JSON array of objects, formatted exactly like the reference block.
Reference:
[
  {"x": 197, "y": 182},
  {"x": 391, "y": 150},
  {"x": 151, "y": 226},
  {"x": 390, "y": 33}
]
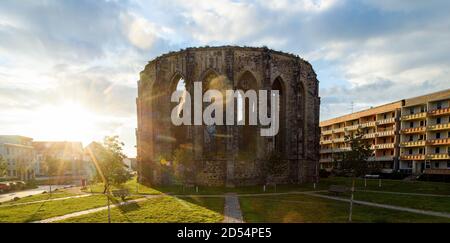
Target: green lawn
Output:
[
  {"x": 438, "y": 204},
  {"x": 41, "y": 197},
  {"x": 387, "y": 185},
  {"x": 49, "y": 209},
  {"x": 136, "y": 188},
  {"x": 165, "y": 209},
  {"x": 390, "y": 185},
  {"x": 131, "y": 185},
  {"x": 303, "y": 208}
]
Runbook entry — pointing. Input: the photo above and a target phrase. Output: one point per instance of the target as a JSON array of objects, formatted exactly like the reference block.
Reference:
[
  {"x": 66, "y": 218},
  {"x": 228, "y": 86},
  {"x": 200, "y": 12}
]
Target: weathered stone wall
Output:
[{"x": 236, "y": 66}]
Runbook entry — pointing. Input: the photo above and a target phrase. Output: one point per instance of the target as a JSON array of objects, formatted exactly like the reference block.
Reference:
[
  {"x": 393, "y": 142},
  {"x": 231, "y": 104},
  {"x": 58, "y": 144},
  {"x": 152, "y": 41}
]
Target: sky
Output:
[{"x": 69, "y": 68}]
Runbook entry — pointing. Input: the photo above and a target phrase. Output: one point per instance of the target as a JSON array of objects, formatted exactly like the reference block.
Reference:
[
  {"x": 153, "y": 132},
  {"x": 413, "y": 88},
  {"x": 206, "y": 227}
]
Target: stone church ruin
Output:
[{"x": 228, "y": 155}]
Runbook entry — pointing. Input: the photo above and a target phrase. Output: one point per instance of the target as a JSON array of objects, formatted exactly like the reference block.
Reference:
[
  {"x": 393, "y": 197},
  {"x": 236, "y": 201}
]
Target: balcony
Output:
[
  {"x": 439, "y": 112},
  {"x": 384, "y": 158},
  {"x": 437, "y": 171},
  {"x": 413, "y": 157},
  {"x": 386, "y": 121},
  {"x": 345, "y": 149},
  {"x": 442, "y": 141},
  {"x": 438, "y": 127},
  {"x": 327, "y": 132},
  {"x": 370, "y": 135},
  {"x": 338, "y": 140},
  {"x": 326, "y": 141},
  {"x": 368, "y": 124},
  {"x": 338, "y": 130},
  {"x": 352, "y": 128},
  {"x": 386, "y": 133},
  {"x": 385, "y": 146},
  {"x": 414, "y": 130},
  {"x": 438, "y": 156},
  {"x": 326, "y": 151},
  {"x": 413, "y": 144},
  {"x": 414, "y": 116},
  {"x": 326, "y": 160}
]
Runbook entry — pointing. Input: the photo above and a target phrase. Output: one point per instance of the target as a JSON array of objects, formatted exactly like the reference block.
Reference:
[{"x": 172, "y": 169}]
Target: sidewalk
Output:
[{"x": 232, "y": 211}]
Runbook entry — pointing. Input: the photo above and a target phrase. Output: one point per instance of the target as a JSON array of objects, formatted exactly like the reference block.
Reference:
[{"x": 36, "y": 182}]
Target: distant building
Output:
[
  {"x": 380, "y": 125},
  {"x": 19, "y": 155},
  {"x": 70, "y": 154},
  {"x": 130, "y": 163},
  {"x": 410, "y": 135}
]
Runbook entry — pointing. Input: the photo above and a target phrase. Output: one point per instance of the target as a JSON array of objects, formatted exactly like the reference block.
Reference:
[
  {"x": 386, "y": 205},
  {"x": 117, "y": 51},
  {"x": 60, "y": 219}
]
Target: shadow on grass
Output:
[{"x": 33, "y": 216}]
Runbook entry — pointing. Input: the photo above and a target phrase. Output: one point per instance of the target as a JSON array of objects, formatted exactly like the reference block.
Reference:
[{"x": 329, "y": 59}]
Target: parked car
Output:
[{"x": 4, "y": 187}]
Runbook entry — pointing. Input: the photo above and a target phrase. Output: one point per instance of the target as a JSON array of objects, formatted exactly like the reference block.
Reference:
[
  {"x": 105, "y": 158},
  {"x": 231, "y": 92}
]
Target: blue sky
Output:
[{"x": 80, "y": 59}]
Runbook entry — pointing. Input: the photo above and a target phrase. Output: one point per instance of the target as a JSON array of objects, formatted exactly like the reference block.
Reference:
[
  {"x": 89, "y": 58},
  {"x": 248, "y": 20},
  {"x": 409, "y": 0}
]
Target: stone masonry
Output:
[{"x": 229, "y": 155}]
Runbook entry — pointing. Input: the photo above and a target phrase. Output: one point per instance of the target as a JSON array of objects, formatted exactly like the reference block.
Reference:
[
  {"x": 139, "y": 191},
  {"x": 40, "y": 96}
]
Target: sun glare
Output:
[{"x": 68, "y": 121}]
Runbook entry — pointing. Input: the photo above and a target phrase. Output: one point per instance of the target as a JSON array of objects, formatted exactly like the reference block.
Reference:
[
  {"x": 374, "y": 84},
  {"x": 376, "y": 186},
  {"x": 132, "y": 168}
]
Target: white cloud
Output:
[{"x": 139, "y": 31}]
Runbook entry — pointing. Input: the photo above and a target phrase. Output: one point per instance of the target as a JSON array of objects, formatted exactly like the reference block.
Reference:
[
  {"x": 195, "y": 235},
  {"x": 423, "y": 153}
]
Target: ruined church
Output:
[{"x": 229, "y": 155}]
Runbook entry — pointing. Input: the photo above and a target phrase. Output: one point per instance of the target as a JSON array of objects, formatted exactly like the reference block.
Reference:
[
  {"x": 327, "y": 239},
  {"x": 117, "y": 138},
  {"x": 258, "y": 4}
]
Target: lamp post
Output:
[{"x": 109, "y": 207}]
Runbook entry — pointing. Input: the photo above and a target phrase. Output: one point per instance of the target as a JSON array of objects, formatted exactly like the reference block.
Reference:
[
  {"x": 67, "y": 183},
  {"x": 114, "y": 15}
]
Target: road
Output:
[{"x": 10, "y": 196}]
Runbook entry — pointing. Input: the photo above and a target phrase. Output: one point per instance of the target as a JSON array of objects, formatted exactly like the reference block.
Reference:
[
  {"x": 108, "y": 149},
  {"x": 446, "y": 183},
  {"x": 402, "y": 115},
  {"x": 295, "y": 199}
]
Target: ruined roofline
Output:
[{"x": 227, "y": 47}]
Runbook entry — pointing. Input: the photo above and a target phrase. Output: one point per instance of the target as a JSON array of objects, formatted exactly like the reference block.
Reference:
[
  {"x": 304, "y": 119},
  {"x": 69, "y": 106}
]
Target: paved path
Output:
[
  {"x": 10, "y": 196},
  {"x": 94, "y": 210},
  {"x": 41, "y": 201},
  {"x": 232, "y": 211},
  {"x": 378, "y": 205},
  {"x": 406, "y": 193}
]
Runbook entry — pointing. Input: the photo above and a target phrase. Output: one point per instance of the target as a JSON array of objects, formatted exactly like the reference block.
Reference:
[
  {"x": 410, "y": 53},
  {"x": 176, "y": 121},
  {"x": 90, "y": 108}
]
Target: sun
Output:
[{"x": 66, "y": 121}]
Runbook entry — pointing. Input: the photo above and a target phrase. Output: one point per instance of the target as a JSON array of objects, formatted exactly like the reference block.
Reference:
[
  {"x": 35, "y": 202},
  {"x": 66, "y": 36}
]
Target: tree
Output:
[
  {"x": 183, "y": 161},
  {"x": 108, "y": 159},
  {"x": 3, "y": 167},
  {"x": 52, "y": 166},
  {"x": 355, "y": 161}
]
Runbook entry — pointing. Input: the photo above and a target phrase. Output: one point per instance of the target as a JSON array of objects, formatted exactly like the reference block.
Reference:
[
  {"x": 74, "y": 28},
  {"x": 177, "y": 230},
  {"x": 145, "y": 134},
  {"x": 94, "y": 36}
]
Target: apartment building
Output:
[
  {"x": 70, "y": 154},
  {"x": 411, "y": 135},
  {"x": 425, "y": 134},
  {"x": 380, "y": 127},
  {"x": 19, "y": 155}
]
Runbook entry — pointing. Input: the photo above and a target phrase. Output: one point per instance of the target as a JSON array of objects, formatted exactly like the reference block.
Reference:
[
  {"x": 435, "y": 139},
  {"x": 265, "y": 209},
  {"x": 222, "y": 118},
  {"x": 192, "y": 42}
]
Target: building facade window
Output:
[{"x": 437, "y": 150}]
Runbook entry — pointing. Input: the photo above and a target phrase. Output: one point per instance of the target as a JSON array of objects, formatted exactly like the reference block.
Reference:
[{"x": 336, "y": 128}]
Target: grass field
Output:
[
  {"x": 389, "y": 185},
  {"x": 38, "y": 211},
  {"x": 41, "y": 197},
  {"x": 372, "y": 184},
  {"x": 303, "y": 208},
  {"x": 161, "y": 210},
  {"x": 280, "y": 208},
  {"x": 438, "y": 204},
  {"x": 136, "y": 188}
]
